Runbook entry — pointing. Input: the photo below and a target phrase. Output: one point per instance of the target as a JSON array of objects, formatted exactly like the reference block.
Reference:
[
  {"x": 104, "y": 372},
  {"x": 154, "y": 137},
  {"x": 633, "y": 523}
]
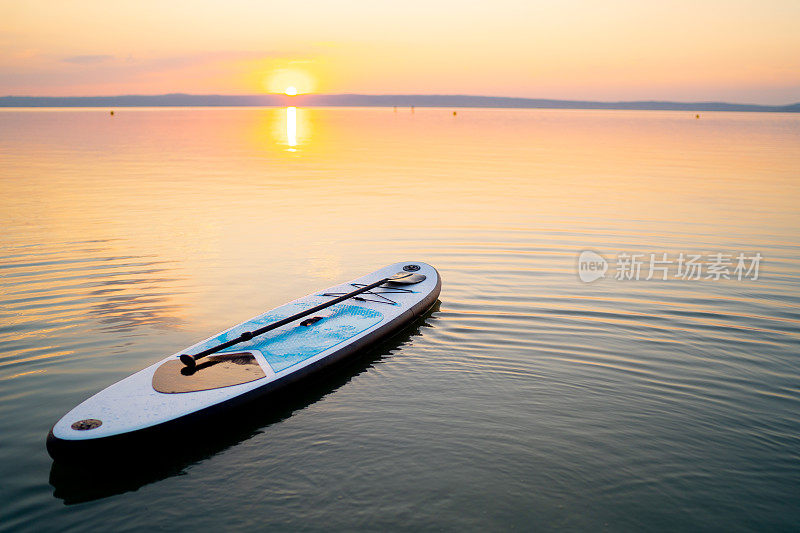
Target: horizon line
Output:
[
  {"x": 459, "y": 95},
  {"x": 180, "y": 99}
]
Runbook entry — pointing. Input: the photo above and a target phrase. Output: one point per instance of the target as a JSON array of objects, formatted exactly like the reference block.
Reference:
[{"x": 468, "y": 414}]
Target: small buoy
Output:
[
  {"x": 697, "y": 116},
  {"x": 112, "y": 113}
]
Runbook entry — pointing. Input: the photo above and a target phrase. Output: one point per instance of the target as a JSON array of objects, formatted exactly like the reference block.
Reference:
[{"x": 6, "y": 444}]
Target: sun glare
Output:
[{"x": 289, "y": 81}]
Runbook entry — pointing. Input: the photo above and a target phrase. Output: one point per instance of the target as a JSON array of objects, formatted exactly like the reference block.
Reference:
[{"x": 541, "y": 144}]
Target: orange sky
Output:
[{"x": 734, "y": 50}]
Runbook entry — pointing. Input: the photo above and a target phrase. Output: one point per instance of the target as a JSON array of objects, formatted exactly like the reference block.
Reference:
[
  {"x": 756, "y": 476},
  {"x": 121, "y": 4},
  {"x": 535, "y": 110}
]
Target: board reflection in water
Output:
[{"x": 84, "y": 481}]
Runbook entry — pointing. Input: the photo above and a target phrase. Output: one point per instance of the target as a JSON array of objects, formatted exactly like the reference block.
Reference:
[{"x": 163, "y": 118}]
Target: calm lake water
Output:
[{"x": 527, "y": 400}]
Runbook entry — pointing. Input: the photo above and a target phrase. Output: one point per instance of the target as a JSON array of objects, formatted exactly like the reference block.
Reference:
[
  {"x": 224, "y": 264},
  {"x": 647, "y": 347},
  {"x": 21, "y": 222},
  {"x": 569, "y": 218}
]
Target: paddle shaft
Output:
[{"x": 191, "y": 360}]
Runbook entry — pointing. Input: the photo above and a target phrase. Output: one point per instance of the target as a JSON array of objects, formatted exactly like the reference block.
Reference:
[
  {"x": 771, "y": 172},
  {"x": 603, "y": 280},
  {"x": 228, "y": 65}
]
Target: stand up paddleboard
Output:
[{"x": 260, "y": 356}]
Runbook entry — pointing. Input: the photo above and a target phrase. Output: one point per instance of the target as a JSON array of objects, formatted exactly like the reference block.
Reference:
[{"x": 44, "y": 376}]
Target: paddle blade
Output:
[{"x": 406, "y": 278}]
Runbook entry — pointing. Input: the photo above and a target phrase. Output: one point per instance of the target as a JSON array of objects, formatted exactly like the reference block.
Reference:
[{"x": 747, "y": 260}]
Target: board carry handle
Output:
[{"x": 401, "y": 277}]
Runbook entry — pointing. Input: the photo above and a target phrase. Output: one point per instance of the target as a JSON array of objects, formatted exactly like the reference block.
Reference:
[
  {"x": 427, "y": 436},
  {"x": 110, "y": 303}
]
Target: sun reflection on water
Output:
[{"x": 291, "y": 128}]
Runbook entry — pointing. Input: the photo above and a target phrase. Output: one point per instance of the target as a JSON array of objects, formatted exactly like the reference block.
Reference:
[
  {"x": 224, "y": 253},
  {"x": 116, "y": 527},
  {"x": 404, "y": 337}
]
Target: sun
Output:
[{"x": 291, "y": 90}]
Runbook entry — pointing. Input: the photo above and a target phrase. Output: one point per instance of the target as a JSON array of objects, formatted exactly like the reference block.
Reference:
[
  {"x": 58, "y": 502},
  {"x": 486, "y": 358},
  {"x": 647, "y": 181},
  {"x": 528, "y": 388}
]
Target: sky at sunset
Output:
[{"x": 735, "y": 50}]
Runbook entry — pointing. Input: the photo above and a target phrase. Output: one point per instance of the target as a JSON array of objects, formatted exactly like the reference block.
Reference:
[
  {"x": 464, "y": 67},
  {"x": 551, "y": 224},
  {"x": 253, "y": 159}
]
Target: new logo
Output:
[{"x": 591, "y": 266}]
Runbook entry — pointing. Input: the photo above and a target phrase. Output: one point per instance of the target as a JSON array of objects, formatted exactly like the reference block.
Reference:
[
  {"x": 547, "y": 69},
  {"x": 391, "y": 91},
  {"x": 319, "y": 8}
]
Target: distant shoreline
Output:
[{"x": 366, "y": 100}]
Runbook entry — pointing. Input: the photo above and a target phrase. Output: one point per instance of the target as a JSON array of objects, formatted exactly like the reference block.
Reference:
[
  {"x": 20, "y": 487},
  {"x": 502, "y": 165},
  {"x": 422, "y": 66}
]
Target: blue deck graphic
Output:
[{"x": 294, "y": 343}]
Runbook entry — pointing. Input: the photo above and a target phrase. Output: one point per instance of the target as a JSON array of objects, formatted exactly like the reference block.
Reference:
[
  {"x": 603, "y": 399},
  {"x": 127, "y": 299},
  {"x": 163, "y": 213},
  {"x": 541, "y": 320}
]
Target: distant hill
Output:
[{"x": 369, "y": 100}]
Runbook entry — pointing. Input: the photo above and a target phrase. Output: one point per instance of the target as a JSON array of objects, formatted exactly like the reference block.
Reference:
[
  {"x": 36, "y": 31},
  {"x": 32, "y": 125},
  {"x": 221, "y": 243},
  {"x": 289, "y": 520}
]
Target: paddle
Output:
[{"x": 405, "y": 278}]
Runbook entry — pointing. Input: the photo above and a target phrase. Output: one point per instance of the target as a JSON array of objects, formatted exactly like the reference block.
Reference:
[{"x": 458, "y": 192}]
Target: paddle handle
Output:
[{"x": 191, "y": 360}]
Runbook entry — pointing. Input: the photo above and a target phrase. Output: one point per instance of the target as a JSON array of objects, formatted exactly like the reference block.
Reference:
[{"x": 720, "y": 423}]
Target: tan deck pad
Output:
[{"x": 212, "y": 372}]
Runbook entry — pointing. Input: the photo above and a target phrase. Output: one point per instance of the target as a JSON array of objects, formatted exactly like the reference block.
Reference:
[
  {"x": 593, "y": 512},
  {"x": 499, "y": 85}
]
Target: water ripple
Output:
[{"x": 527, "y": 400}]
